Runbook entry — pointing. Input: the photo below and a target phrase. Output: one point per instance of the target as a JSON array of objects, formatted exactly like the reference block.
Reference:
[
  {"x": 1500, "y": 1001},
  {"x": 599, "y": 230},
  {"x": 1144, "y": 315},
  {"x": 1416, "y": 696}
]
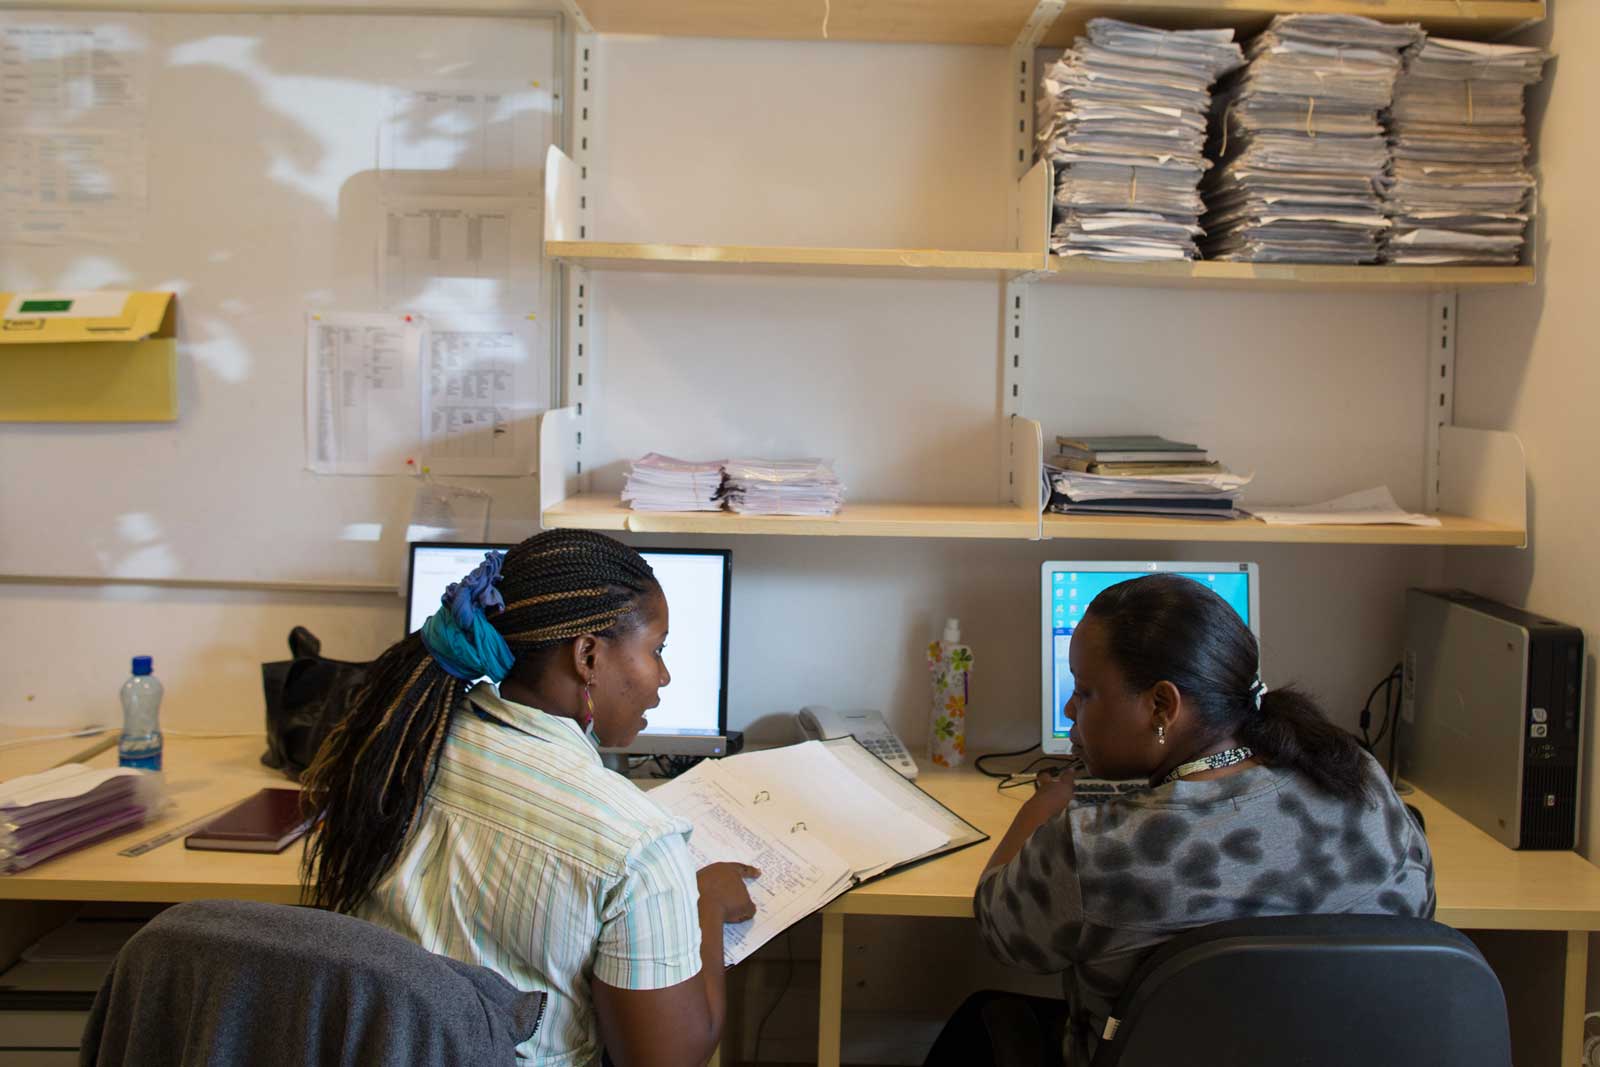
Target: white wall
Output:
[
  {"x": 863, "y": 145},
  {"x": 1527, "y": 361}
]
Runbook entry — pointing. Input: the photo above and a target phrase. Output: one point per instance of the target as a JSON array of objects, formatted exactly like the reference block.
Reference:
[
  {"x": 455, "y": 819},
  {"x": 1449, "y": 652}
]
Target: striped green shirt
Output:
[{"x": 532, "y": 859}]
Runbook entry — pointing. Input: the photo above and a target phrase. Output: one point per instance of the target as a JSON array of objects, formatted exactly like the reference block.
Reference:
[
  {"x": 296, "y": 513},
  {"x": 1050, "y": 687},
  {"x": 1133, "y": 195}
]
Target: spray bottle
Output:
[{"x": 950, "y": 663}]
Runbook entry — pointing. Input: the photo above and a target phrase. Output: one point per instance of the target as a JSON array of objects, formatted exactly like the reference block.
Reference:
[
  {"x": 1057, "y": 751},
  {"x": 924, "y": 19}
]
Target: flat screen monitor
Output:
[
  {"x": 1067, "y": 587},
  {"x": 692, "y": 718}
]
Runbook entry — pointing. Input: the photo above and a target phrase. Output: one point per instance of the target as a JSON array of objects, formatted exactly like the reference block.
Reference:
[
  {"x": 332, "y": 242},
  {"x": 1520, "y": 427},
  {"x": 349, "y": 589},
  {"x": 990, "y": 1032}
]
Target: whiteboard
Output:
[{"x": 275, "y": 151}]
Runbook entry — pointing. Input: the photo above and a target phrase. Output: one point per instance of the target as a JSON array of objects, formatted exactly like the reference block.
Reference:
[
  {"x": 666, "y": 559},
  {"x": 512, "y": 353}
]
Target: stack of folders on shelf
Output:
[
  {"x": 1141, "y": 474},
  {"x": 1299, "y": 143},
  {"x": 783, "y": 487},
  {"x": 1458, "y": 187},
  {"x": 55, "y": 811},
  {"x": 661, "y": 483},
  {"x": 1123, "y": 117}
]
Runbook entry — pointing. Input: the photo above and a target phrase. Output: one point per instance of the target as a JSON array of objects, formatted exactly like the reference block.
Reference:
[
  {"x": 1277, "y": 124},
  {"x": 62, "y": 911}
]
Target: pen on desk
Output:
[{"x": 111, "y": 737}]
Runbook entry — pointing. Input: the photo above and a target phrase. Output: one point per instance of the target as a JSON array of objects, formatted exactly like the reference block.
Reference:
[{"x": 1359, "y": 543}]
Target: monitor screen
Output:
[
  {"x": 1068, "y": 587},
  {"x": 696, "y": 583}
]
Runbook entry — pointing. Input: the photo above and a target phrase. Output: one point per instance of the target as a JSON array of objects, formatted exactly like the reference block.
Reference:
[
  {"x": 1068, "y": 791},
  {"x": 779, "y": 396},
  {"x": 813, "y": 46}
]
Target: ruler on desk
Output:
[{"x": 168, "y": 836}]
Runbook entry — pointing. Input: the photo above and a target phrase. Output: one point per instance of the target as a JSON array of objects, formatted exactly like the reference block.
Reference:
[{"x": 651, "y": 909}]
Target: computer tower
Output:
[{"x": 1492, "y": 715}]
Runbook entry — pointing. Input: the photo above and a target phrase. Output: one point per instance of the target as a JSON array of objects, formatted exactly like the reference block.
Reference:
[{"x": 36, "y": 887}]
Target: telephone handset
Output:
[{"x": 866, "y": 726}]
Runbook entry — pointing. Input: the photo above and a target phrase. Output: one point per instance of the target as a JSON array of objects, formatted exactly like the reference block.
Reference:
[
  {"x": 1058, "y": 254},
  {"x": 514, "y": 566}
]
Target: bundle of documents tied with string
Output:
[
  {"x": 1123, "y": 118},
  {"x": 1300, "y": 147},
  {"x": 1140, "y": 474},
  {"x": 1458, "y": 188},
  {"x": 783, "y": 487},
  {"x": 662, "y": 483},
  {"x": 55, "y": 811},
  {"x": 817, "y": 819}
]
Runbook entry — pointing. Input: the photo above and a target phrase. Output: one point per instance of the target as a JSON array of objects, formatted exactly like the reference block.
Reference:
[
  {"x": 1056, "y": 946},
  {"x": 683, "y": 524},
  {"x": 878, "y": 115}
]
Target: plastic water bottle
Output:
[{"x": 141, "y": 719}]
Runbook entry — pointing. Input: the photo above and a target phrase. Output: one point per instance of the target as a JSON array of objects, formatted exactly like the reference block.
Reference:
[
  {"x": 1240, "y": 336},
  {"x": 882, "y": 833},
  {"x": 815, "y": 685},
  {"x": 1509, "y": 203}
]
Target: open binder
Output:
[{"x": 817, "y": 818}]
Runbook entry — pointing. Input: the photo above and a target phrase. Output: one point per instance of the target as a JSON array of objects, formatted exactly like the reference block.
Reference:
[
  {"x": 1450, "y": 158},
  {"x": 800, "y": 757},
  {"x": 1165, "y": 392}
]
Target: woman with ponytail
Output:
[
  {"x": 1256, "y": 805},
  {"x": 463, "y": 804}
]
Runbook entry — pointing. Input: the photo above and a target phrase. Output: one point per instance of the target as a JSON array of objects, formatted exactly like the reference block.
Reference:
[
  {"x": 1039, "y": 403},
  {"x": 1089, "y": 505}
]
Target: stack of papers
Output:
[
  {"x": 1300, "y": 146},
  {"x": 45, "y": 814},
  {"x": 1458, "y": 188},
  {"x": 1192, "y": 496},
  {"x": 1123, "y": 117},
  {"x": 783, "y": 487},
  {"x": 661, "y": 483}
]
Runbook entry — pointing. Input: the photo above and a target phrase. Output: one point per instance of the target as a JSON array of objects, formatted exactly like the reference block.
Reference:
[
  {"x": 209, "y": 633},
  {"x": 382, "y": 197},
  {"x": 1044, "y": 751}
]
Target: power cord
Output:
[
  {"x": 671, "y": 766},
  {"x": 977, "y": 764},
  {"x": 788, "y": 977},
  {"x": 1016, "y": 778},
  {"x": 1392, "y": 691}
]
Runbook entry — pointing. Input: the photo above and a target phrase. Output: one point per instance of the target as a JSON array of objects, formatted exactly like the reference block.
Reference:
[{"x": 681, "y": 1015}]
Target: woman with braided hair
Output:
[{"x": 463, "y": 803}]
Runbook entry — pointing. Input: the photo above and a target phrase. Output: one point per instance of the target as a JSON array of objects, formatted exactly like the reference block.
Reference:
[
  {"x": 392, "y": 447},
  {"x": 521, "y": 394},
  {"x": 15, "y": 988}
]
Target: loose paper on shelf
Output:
[{"x": 1374, "y": 506}]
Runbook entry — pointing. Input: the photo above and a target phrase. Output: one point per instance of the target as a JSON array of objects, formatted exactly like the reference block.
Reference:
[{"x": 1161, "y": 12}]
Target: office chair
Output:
[
  {"x": 1312, "y": 991},
  {"x": 235, "y": 982}
]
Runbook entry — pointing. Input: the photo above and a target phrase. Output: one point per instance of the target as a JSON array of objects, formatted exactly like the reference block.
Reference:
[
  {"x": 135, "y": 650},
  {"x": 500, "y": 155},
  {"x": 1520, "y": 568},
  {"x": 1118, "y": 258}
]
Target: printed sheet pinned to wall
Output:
[
  {"x": 74, "y": 92},
  {"x": 397, "y": 393}
]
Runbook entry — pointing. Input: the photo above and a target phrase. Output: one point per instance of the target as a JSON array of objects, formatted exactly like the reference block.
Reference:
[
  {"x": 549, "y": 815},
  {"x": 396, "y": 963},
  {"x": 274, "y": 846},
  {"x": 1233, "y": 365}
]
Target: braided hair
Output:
[
  {"x": 371, "y": 774},
  {"x": 1165, "y": 627}
]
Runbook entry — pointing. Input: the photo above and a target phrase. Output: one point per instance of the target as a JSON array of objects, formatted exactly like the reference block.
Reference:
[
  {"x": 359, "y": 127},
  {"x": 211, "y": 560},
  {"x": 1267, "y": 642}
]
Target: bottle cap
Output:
[
  {"x": 952, "y": 631},
  {"x": 141, "y": 665}
]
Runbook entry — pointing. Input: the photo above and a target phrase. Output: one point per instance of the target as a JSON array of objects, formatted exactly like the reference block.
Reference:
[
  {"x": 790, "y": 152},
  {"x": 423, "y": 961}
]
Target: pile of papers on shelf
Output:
[
  {"x": 1300, "y": 147},
  {"x": 1123, "y": 118},
  {"x": 783, "y": 487},
  {"x": 55, "y": 811},
  {"x": 1211, "y": 495},
  {"x": 1458, "y": 188},
  {"x": 661, "y": 483}
]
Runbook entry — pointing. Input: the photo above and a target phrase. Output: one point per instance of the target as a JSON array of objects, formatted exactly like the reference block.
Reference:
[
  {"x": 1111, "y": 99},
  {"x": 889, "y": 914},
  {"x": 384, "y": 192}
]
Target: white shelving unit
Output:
[{"x": 1476, "y": 479}]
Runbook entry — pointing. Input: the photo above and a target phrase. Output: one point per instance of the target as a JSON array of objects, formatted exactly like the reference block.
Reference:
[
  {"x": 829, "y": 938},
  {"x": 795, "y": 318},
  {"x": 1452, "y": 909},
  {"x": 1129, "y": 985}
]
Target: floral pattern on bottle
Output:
[{"x": 951, "y": 668}]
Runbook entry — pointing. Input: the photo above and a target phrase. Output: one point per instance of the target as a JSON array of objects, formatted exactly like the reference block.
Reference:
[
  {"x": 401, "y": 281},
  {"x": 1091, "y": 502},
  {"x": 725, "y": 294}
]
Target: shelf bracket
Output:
[
  {"x": 1014, "y": 369},
  {"x": 1439, "y": 397},
  {"x": 577, "y": 297},
  {"x": 1045, "y": 13}
]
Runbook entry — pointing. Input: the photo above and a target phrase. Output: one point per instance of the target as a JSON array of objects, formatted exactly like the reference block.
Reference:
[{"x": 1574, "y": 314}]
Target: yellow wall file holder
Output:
[{"x": 88, "y": 357}]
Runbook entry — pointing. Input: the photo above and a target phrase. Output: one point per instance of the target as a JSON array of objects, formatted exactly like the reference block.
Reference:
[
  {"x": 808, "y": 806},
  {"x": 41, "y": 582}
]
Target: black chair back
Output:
[{"x": 1312, "y": 991}]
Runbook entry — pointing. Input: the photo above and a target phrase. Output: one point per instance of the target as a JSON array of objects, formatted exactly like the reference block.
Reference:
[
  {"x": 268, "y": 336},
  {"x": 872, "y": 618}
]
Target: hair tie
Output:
[
  {"x": 459, "y": 635},
  {"x": 1259, "y": 689}
]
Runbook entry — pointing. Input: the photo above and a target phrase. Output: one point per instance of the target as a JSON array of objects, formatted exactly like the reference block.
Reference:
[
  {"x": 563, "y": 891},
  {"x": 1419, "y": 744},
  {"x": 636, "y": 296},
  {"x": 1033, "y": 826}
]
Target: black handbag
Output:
[{"x": 306, "y": 697}]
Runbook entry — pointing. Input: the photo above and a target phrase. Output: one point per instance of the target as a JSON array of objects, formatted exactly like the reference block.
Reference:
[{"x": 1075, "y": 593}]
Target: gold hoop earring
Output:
[{"x": 1161, "y": 734}]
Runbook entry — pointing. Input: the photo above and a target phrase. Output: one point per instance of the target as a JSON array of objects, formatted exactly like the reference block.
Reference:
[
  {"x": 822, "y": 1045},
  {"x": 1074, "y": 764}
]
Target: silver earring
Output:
[{"x": 1161, "y": 734}]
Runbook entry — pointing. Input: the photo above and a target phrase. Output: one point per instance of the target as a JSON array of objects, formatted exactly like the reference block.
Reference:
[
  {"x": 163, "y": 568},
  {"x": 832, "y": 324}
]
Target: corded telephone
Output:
[{"x": 866, "y": 726}]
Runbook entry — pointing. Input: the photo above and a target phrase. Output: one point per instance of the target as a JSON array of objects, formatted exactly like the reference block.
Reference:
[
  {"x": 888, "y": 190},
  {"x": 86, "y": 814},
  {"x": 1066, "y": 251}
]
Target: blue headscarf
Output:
[{"x": 459, "y": 635}]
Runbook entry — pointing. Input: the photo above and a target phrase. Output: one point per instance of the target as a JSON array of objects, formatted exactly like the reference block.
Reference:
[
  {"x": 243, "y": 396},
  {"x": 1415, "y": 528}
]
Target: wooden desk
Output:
[
  {"x": 1482, "y": 885},
  {"x": 203, "y": 776}
]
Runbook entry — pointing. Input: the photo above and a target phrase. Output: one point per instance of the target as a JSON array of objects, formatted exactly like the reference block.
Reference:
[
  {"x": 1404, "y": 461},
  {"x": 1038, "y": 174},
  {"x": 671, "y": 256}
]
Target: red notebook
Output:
[{"x": 265, "y": 822}]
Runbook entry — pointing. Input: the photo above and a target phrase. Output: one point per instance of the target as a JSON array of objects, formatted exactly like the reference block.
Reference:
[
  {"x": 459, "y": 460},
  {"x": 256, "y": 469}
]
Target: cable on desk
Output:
[
  {"x": 1393, "y": 690},
  {"x": 85, "y": 731},
  {"x": 977, "y": 763}
]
